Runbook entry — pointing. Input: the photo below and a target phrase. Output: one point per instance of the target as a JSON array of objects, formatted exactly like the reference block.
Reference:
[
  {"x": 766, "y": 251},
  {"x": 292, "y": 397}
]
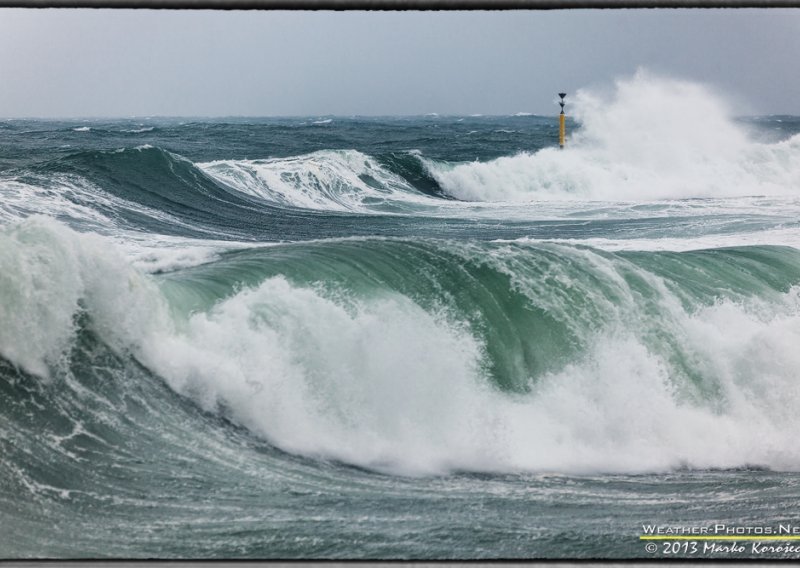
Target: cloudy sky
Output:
[{"x": 94, "y": 63}]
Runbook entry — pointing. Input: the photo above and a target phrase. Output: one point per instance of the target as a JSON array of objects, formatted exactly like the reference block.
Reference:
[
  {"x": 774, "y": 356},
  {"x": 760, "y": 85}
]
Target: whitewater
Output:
[{"x": 400, "y": 337}]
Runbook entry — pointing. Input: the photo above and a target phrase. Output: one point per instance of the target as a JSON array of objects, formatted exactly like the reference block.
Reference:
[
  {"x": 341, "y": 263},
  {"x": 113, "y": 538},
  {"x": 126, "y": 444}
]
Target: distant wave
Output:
[
  {"x": 151, "y": 189},
  {"x": 331, "y": 180},
  {"x": 654, "y": 138}
]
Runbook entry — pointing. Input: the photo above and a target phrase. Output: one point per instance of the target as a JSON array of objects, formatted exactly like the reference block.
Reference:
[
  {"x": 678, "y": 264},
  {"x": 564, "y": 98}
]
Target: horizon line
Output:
[{"x": 322, "y": 116}]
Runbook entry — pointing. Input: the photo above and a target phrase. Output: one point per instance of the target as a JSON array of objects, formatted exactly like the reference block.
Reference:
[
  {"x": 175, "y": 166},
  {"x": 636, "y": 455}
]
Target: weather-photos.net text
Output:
[
  {"x": 782, "y": 539},
  {"x": 721, "y": 530}
]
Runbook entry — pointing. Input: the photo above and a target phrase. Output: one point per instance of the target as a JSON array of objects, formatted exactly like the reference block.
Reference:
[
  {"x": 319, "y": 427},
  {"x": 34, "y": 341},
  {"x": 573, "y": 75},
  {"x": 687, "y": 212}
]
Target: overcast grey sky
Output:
[{"x": 69, "y": 63}]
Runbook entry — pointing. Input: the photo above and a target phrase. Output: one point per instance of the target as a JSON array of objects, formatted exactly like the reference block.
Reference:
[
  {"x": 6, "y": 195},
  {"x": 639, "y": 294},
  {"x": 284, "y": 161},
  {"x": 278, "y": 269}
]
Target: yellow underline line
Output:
[{"x": 726, "y": 537}]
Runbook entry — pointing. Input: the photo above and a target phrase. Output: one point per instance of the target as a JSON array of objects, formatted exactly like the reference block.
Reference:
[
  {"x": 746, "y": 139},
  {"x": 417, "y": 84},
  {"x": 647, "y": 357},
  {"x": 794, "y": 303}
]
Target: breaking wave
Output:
[
  {"x": 649, "y": 138},
  {"x": 328, "y": 180},
  {"x": 432, "y": 356}
]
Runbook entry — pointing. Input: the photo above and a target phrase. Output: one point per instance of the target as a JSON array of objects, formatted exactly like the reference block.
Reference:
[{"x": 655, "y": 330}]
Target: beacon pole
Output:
[{"x": 562, "y": 122}]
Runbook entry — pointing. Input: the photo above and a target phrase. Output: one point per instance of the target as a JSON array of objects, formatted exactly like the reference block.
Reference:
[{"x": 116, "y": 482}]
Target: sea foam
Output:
[{"x": 649, "y": 138}]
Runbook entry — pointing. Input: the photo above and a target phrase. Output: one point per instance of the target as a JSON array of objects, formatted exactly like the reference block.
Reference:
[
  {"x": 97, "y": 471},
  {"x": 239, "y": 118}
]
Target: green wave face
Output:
[{"x": 535, "y": 308}]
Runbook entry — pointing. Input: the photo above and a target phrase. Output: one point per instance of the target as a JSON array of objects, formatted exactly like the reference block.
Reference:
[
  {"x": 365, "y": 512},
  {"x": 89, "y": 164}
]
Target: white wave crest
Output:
[
  {"x": 333, "y": 180},
  {"x": 652, "y": 138},
  {"x": 48, "y": 274}
]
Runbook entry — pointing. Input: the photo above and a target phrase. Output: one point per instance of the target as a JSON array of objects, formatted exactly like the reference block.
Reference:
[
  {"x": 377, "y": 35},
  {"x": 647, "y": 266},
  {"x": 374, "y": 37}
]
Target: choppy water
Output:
[{"x": 428, "y": 337}]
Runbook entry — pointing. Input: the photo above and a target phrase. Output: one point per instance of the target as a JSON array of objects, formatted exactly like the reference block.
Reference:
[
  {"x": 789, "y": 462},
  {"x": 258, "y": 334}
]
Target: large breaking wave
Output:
[{"x": 421, "y": 357}]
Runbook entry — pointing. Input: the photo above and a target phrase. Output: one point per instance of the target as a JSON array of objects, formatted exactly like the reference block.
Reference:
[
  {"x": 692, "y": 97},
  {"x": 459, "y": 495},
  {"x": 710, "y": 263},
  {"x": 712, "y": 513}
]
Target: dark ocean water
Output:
[{"x": 421, "y": 338}]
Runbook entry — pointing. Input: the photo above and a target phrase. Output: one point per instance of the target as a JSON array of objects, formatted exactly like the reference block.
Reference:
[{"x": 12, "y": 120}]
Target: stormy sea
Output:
[{"x": 430, "y": 337}]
